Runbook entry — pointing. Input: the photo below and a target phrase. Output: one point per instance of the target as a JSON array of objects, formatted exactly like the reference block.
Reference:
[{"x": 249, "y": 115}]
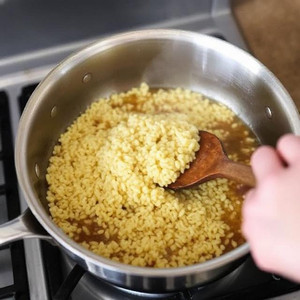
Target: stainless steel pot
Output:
[{"x": 162, "y": 58}]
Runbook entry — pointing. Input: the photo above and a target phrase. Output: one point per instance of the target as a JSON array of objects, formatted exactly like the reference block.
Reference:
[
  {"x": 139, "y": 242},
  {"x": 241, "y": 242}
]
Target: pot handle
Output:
[{"x": 25, "y": 226}]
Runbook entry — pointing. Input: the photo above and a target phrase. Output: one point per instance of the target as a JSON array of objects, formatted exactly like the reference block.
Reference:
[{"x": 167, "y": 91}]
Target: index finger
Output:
[
  {"x": 265, "y": 161},
  {"x": 289, "y": 148}
]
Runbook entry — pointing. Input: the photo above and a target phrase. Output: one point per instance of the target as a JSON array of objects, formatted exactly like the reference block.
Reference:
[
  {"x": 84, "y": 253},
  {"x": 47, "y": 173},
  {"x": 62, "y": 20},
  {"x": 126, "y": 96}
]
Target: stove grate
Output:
[{"x": 9, "y": 193}]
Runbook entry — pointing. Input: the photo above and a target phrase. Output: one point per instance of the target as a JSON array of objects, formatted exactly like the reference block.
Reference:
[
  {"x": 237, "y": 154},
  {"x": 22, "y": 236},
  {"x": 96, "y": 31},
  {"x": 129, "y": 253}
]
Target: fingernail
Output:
[{"x": 249, "y": 194}]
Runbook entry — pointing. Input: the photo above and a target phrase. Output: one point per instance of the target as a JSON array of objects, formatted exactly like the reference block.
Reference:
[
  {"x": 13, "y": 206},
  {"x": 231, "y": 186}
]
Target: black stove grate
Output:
[
  {"x": 9, "y": 192},
  {"x": 25, "y": 95}
]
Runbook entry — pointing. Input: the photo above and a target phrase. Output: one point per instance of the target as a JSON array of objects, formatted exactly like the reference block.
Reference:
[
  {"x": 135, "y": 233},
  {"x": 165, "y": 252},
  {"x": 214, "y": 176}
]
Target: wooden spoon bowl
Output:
[{"x": 212, "y": 162}]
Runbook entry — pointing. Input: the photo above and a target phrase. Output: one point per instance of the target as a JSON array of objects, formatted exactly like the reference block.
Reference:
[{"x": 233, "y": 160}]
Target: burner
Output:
[
  {"x": 91, "y": 287},
  {"x": 245, "y": 282}
]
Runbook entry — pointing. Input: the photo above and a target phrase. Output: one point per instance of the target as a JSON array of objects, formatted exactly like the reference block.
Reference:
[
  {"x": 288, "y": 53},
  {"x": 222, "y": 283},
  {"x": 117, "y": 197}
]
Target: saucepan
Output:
[{"x": 162, "y": 58}]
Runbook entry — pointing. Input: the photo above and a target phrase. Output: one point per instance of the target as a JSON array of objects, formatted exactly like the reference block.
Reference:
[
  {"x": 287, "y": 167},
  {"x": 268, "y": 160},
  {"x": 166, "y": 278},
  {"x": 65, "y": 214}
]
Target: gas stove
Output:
[{"x": 34, "y": 269}]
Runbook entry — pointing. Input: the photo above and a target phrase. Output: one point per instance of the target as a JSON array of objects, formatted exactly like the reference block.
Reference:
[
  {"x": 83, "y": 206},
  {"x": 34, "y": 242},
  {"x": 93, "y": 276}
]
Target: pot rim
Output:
[{"x": 92, "y": 260}]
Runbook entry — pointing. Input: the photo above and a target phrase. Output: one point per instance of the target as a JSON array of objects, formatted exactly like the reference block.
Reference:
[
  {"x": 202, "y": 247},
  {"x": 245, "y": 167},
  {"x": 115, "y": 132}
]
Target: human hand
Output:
[{"x": 271, "y": 211}]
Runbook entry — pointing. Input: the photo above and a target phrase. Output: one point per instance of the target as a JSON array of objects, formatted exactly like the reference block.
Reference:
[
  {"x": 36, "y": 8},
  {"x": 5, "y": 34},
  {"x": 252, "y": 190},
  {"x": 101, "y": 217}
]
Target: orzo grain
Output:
[{"x": 107, "y": 173}]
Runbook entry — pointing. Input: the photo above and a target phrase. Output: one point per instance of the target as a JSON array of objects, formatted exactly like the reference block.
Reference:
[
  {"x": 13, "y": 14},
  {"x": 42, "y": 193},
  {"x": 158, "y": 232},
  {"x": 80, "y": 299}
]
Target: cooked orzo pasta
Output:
[{"x": 107, "y": 176}]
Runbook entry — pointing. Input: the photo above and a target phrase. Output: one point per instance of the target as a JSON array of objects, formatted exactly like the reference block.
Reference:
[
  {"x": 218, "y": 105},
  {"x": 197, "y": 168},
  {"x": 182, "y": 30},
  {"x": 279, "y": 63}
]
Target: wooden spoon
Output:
[{"x": 212, "y": 162}]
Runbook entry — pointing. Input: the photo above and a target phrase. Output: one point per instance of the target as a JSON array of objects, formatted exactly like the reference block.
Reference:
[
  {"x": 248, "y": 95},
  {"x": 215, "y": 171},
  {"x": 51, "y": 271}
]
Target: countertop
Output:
[{"x": 271, "y": 29}]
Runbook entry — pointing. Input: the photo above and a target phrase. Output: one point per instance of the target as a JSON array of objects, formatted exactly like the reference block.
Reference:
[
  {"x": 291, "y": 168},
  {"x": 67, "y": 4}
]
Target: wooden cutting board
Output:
[{"x": 271, "y": 29}]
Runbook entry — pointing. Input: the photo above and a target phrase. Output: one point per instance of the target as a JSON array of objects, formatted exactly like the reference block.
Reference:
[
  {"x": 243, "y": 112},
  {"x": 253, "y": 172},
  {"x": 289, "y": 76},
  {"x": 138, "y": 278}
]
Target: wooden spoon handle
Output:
[{"x": 236, "y": 171}]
